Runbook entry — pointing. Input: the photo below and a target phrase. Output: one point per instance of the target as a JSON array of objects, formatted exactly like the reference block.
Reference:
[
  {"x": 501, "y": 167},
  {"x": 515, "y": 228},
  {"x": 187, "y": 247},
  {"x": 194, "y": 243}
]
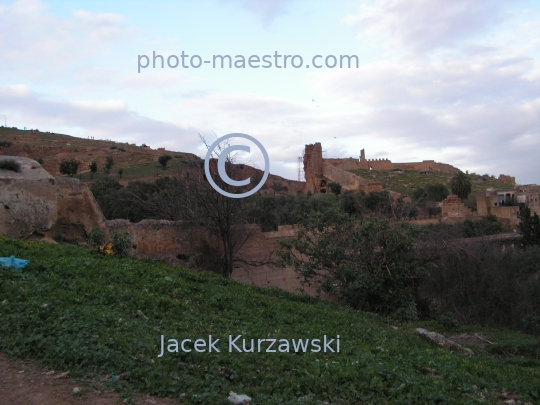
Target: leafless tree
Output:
[{"x": 189, "y": 196}]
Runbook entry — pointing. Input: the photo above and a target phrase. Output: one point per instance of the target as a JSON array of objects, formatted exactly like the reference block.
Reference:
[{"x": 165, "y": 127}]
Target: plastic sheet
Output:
[{"x": 13, "y": 262}]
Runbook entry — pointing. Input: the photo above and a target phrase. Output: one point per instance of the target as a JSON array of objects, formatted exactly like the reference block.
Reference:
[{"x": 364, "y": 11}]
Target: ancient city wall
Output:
[{"x": 348, "y": 180}]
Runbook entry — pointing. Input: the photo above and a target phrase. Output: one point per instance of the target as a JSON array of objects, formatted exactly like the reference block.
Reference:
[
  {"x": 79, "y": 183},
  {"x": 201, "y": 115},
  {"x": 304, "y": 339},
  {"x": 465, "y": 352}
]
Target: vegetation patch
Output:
[
  {"x": 11, "y": 165},
  {"x": 85, "y": 313}
]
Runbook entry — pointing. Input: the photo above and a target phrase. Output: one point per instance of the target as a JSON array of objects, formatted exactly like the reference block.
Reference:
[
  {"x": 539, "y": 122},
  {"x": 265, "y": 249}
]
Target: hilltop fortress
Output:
[{"x": 319, "y": 172}]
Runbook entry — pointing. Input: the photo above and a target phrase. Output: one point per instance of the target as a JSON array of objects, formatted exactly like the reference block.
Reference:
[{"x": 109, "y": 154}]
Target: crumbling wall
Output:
[
  {"x": 507, "y": 179},
  {"x": 452, "y": 207},
  {"x": 77, "y": 210},
  {"x": 348, "y": 180}
]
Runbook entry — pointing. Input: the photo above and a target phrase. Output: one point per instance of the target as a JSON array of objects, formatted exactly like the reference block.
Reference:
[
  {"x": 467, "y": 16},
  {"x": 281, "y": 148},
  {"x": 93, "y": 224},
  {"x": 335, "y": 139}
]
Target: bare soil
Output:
[{"x": 23, "y": 382}]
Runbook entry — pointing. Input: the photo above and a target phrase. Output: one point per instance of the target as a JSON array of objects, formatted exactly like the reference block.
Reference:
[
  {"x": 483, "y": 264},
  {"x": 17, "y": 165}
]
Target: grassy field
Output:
[
  {"x": 88, "y": 314},
  {"x": 406, "y": 183}
]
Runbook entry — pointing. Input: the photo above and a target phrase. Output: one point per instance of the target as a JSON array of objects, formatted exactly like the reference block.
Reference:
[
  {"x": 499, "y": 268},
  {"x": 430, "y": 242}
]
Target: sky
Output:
[{"x": 456, "y": 81}]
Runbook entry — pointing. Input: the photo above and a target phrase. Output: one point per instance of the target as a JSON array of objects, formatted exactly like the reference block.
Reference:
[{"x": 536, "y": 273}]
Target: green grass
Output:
[
  {"x": 406, "y": 183},
  {"x": 106, "y": 314}
]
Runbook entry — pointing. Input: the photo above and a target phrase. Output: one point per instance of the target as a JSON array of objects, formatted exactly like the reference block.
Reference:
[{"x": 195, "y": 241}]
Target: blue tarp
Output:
[{"x": 13, "y": 262}]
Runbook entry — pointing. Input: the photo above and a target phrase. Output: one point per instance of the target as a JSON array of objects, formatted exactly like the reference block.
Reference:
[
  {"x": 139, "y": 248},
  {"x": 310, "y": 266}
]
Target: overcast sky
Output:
[{"x": 457, "y": 81}]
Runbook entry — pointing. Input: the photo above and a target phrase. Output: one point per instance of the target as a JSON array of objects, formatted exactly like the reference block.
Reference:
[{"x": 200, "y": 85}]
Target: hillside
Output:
[
  {"x": 136, "y": 161},
  {"x": 95, "y": 315},
  {"x": 406, "y": 182}
]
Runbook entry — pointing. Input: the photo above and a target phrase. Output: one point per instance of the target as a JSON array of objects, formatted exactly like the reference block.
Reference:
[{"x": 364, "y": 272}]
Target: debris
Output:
[
  {"x": 239, "y": 399},
  {"x": 446, "y": 344},
  {"x": 48, "y": 372},
  {"x": 485, "y": 340},
  {"x": 428, "y": 371},
  {"x": 13, "y": 262},
  {"x": 63, "y": 375}
]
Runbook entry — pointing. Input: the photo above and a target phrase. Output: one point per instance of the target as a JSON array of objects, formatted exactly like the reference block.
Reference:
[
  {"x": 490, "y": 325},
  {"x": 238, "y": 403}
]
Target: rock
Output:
[
  {"x": 239, "y": 399},
  {"x": 34, "y": 204},
  {"x": 445, "y": 343},
  {"x": 27, "y": 200},
  {"x": 63, "y": 375},
  {"x": 76, "y": 391},
  {"x": 77, "y": 210}
]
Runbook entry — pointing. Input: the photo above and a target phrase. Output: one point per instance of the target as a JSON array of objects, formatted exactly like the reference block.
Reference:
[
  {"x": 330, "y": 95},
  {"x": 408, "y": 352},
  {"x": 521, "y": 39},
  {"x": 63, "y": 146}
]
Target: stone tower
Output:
[
  {"x": 362, "y": 155},
  {"x": 313, "y": 161}
]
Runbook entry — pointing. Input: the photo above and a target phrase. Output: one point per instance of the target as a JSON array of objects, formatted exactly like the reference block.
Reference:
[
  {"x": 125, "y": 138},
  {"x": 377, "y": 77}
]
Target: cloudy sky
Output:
[{"x": 457, "y": 81}]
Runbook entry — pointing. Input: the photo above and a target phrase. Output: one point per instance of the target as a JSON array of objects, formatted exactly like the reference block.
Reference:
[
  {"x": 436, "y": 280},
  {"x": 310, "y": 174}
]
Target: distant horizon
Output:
[
  {"x": 274, "y": 174},
  {"x": 408, "y": 80}
]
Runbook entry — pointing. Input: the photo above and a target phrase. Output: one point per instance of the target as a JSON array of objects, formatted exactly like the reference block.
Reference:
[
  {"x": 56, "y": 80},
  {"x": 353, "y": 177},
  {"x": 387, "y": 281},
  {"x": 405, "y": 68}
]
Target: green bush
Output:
[
  {"x": 369, "y": 264},
  {"x": 96, "y": 238},
  {"x": 448, "y": 321},
  {"x": 5, "y": 144},
  {"x": 69, "y": 167},
  {"x": 121, "y": 242},
  {"x": 10, "y": 164}
]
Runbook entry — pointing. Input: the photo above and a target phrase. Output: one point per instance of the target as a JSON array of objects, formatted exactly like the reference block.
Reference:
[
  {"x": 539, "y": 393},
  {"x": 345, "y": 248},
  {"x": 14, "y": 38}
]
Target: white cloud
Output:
[
  {"x": 41, "y": 44},
  {"x": 427, "y": 24},
  {"x": 269, "y": 10},
  {"x": 102, "y": 119}
]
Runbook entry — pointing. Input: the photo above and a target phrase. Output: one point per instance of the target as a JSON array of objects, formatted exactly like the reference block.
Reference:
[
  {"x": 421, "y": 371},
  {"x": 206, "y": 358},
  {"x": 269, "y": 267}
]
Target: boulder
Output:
[
  {"x": 446, "y": 344},
  {"x": 27, "y": 198},
  {"x": 36, "y": 205}
]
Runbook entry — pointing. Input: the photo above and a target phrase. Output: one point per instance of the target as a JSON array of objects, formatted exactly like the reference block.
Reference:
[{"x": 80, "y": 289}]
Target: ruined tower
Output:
[
  {"x": 313, "y": 167},
  {"x": 362, "y": 155}
]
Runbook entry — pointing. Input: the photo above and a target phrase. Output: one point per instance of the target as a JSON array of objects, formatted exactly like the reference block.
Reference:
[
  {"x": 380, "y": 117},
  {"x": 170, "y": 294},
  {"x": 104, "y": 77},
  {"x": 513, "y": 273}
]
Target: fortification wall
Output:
[
  {"x": 376, "y": 164},
  {"x": 344, "y": 164},
  {"x": 427, "y": 165},
  {"x": 348, "y": 180},
  {"x": 187, "y": 244}
]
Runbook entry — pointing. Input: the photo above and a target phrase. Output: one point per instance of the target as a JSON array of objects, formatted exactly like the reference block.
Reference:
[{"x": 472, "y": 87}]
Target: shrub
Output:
[
  {"x": 335, "y": 188},
  {"x": 10, "y": 164},
  {"x": 69, "y": 167},
  {"x": 448, "y": 321},
  {"x": 5, "y": 144},
  {"x": 93, "y": 169},
  {"x": 163, "y": 160},
  {"x": 39, "y": 160},
  {"x": 369, "y": 264},
  {"x": 96, "y": 238},
  {"x": 121, "y": 242},
  {"x": 109, "y": 163}
]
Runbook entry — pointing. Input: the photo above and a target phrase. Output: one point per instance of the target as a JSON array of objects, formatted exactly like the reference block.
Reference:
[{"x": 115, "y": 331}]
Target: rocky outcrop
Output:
[
  {"x": 446, "y": 344},
  {"x": 28, "y": 205},
  {"x": 34, "y": 204},
  {"x": 77, "y": 210}
]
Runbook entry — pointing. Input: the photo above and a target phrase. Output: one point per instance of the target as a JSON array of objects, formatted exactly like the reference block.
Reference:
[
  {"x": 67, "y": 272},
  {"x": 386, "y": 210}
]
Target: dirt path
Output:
[{"x": 25, "y": 383}]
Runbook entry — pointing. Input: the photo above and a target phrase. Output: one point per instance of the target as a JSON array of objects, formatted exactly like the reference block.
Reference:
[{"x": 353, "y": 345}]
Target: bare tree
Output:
[{"x": 189, "y": 196}]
